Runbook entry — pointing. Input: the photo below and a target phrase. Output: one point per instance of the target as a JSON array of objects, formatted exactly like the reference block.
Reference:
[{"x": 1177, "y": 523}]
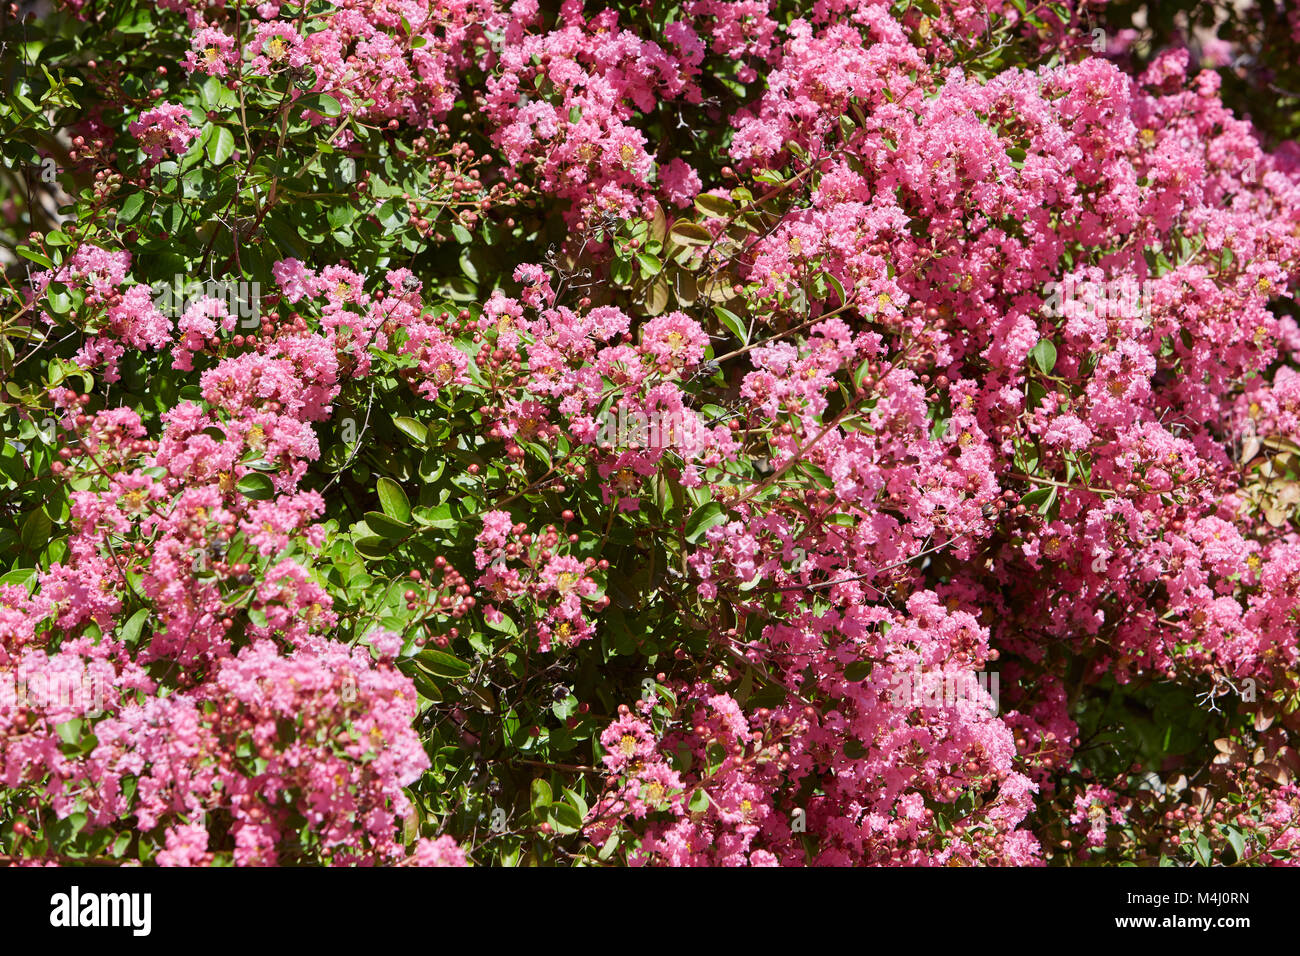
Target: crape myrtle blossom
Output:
[{"x": 714, "y": 496}]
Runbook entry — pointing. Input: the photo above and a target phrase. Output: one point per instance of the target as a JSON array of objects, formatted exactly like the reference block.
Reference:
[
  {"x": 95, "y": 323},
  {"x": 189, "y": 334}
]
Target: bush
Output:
[{"x": 709, "y": 433}]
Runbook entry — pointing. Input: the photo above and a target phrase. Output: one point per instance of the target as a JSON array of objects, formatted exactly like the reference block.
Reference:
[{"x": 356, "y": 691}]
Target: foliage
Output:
[{"x": 531, "y": 434}]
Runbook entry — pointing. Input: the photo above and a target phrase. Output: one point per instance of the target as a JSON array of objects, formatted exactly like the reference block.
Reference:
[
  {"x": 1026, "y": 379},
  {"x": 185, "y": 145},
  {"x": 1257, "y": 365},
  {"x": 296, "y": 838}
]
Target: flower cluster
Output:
[{"x": 638, "y": 403}]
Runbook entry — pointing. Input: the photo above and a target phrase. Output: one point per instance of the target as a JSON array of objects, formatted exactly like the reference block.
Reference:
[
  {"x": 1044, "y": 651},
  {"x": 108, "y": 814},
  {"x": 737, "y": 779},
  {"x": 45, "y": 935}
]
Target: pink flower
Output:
[
  {"x": 675, "y": 340},
  {"x": 680, "y": 182},
  {"x": 442, "y": 851},
  {"x": 164, "y": 129},
  {"x": 626, "y": 740}
]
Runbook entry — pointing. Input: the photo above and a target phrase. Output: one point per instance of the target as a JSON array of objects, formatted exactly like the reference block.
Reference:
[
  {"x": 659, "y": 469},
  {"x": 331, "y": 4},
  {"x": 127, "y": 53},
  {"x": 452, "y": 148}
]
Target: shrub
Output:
[{"x": 703, "y": 433}]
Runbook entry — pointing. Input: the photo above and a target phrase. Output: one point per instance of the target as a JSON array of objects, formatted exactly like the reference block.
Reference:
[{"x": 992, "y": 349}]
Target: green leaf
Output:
[
  {"x": 715, "y": 206},
  {"x": 60, "y": 303},
  {"x": 539, "y": 794},
  {"x": 220, "y": 146},
  {"x": 393, "y": 500},
  {"x": 32, "y": 254},
  {"x": 816, "y": 474},
  {"x": 1036, "y": 497},
  {"x": 733, "y": 323},
  {"x": 505, "y": 624},
  {"x": 382, "y": 524},
  {"x": 858, "y": 670},
  {"x": 565, "y": 708},
  {"x": 574, "y": 799},
  {"x": 439, "y": 516},
  {"x": 860, "y": 373},
  {"x": 130, "y": 209},
  {"x": 690, "y": 234},
  {"x": 427, "y": 688},
  {"x": 563, "y": 818},
  {"x": 442, "y": 664},
  {"x": 69, "y": 731},
  {"x": 412, "y": 429},
  {"x": 130, "y": 632},
  {"x": 1043, "y": 355},
  {"x": 393, "y": 214},
  {"x": 657, "y": 296},
  {"x": 322, "y": 103},
  {"x": 372, "y": 547},
  {"x": 838, "y": 287},
  {"x": 1236, "y": 841},
  {"x": 702, "y": 519},
  {"x": 35, "y": 531},
  {"x": 211, "y": 93},
  {"x": 20, "y": 577},
  {"x": 1203, "y": 853},
  {"x": 256, "y": 485}
]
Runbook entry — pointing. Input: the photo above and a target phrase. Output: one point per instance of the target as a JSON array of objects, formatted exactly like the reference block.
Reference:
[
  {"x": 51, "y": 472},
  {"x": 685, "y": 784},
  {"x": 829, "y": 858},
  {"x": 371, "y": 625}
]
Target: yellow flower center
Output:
[{"x": 625, "y": 480}]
